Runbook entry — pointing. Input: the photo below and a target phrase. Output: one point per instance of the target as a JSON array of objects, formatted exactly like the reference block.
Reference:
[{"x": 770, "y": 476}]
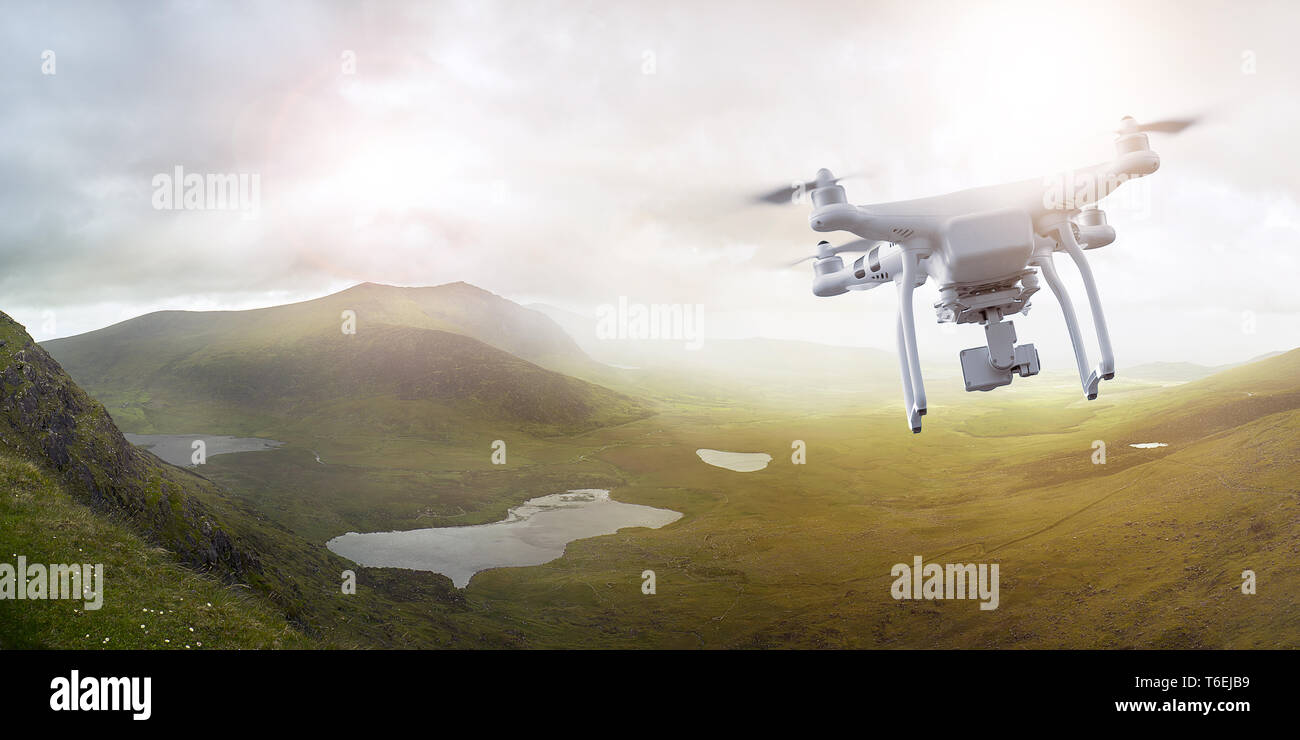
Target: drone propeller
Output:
[
  {"x": 824, "y": 250},
  {"x": 1129, "y": 125},
  {"x": 788, "y": 193}
]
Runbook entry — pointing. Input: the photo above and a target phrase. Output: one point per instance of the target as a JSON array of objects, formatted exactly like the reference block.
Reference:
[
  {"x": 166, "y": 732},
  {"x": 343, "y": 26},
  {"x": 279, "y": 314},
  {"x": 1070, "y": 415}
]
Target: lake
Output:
[
  {"x": 177, "y": 449},
  {"x": 741, "y": 462},
  {"x": 532, "y": 533}
]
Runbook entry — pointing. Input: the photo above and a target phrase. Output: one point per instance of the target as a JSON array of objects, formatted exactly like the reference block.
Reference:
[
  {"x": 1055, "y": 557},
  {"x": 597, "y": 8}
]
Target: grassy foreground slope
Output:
[
  {"x": 150, "y": 601},
  {"x": 47, "y": 421}
]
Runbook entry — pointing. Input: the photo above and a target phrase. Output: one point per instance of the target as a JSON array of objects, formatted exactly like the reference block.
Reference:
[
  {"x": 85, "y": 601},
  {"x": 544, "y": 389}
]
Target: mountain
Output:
[
  {"x": 430, "y": 362},
  {"x": 1182, "y": 372},
  {"x": 1201, "y": 409},
  {"x": 463, "y": 309},
  {"x": 740, "y": 369},
  {"x": 1277, "y": 373},
  {"x": 1170, "y": 372}
]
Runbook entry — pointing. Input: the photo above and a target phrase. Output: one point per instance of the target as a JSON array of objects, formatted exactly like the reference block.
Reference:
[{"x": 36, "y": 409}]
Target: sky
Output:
[{"x": 576, "y": 153}]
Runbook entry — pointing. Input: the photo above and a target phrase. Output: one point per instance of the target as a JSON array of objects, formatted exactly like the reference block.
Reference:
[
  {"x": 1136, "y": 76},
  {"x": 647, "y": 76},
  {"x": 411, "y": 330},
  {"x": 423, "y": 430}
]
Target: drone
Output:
[{"x": 985, "y": 248}]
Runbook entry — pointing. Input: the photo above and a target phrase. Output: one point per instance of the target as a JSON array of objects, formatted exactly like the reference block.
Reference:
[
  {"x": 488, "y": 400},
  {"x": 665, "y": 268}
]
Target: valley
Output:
[{"x": 1145, "y": 549}]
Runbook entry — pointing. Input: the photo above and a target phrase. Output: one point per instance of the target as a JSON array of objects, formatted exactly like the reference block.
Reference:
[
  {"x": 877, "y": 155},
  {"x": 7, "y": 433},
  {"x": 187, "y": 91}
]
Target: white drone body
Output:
[{"x": 981, "y": 246}]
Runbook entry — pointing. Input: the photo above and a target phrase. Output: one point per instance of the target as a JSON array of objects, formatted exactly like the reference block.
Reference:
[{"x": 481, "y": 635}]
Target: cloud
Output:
[{"x": 576, "y": 152}]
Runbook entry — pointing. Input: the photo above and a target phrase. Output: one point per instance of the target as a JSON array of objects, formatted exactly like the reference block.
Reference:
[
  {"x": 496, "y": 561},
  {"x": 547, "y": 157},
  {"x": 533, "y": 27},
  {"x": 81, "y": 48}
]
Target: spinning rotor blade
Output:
[
  {"x": 1170, "y": 126},
  {"x": 1166, "y": 126},
  {"x": 787, "y": 193}
]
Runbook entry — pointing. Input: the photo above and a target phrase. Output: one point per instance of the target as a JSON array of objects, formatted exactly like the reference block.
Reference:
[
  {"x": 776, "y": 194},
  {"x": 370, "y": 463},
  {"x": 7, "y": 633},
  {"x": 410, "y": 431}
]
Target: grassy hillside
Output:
[
  {"x": 1169, "y": 372},
  {"x": 1144, "y": 551},
  {"x": 388, "y": 380},
  {"x": 46, "y": 418},
  {"x": 1221, "y": 401},
  {"x": 150, "y": 601}
]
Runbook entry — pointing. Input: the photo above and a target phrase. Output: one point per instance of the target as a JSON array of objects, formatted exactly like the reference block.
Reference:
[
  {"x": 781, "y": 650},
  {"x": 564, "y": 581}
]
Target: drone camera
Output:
[{"x": 992, "y": 366}]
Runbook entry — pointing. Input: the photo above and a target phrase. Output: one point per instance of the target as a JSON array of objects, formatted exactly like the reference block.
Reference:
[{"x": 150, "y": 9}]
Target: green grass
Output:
[
  {"x": 149, "y": 602},
  {"x": 1144, "y": 551},
  {"x": 1147, "y": 553},
  {"x": 146, "y": 585}
]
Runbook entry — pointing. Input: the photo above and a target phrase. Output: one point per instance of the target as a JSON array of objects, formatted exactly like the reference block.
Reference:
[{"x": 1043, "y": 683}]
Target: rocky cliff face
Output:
[{"x": 45, "y": 417}]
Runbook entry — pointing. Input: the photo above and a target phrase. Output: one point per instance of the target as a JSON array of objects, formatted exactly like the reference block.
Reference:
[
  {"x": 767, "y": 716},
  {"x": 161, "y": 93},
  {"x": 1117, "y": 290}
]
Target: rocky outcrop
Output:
[{"x": 45, "y": 417}]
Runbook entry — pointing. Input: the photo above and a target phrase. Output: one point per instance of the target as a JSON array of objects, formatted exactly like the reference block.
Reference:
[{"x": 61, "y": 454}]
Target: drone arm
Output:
[
  {"x": 1073, "y": 190},
  {"x": 853, "y": 219},
  {"x": 871, "y": 270}
]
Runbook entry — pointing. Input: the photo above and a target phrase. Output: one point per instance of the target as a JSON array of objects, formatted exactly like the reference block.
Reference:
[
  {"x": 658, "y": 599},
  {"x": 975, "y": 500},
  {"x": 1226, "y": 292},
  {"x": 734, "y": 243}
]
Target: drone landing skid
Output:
[
  {"x": 908, "y": 358},
  {"x": 1105, "y": 369}
]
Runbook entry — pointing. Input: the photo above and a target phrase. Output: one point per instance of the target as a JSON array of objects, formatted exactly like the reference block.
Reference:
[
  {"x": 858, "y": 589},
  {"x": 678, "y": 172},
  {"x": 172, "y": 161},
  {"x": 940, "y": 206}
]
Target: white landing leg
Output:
[
  {"x": 1106, "y": 368},
  {"x": 1088, "y": 380},
  {"x": 907, "y": 323},
  {"x": 913, "y": 420}
]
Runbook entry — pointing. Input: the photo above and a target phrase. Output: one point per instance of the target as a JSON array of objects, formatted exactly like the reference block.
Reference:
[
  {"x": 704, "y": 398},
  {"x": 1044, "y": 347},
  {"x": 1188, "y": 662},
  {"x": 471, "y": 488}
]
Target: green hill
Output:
[
  {"x": 1225, "y": 400},
  {"x": 1169, "y": 372},
  {"x": 428, "y": 362},
  {"x": 459, "y": 308}
]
